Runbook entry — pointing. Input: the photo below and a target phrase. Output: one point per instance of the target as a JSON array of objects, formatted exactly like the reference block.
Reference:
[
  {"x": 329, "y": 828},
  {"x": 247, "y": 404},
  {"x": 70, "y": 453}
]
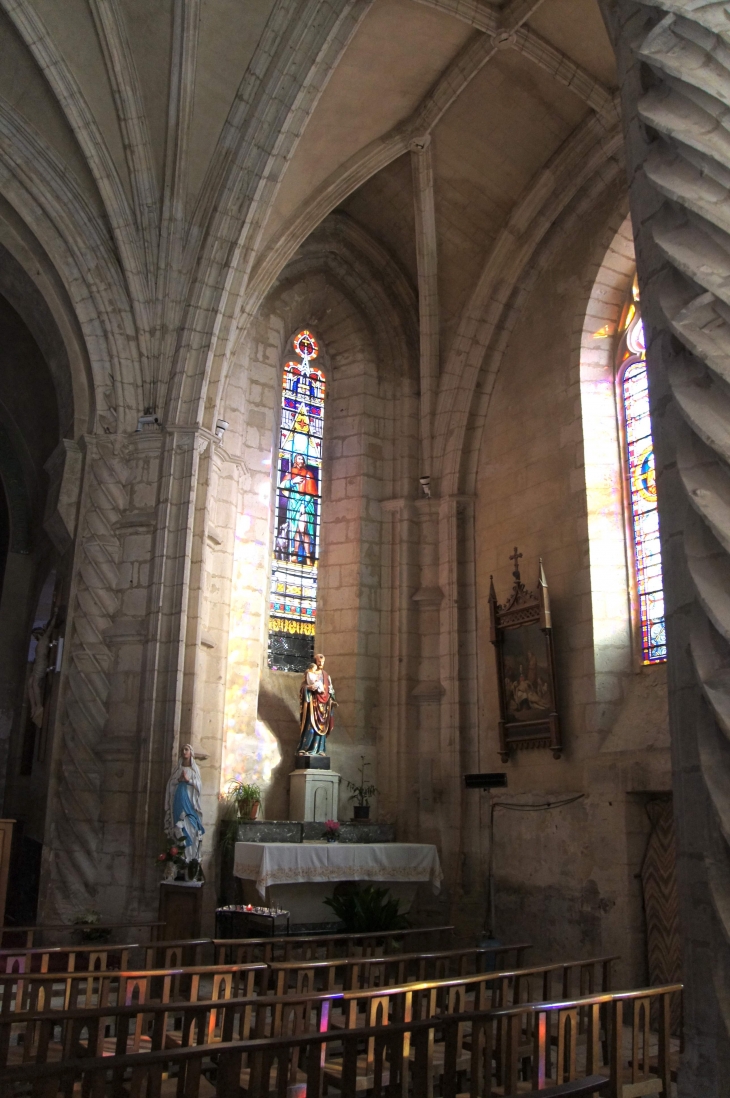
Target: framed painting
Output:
[{"x": 522, "y": 635}]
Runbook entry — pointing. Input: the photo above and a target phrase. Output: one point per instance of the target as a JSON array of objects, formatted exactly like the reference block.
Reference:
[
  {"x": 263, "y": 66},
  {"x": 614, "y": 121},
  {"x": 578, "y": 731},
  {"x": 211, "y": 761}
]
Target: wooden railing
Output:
[
  {"x": 166, "y": 954},
  {"x": 77, "y": 990},
  {"x": 24, "y": 936},
  {"x": 66, "y": 958},
  {"x": 311, "y": 946},
  {"x": 398, "y": 968},
  {"x": 47, "y": 1034},
  {"x": 599, "y": 1041}
]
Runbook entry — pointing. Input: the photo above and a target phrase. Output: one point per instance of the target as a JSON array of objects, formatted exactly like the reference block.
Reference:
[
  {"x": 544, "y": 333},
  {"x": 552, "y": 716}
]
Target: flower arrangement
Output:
[
  {"x": 331, "y": 830},
  {"x": 173, "y": 859}
]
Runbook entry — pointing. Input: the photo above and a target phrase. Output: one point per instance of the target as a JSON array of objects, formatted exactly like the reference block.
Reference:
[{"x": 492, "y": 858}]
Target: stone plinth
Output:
[
  {"x": 312, "y": 762},
  {"x": 314, "y": 795},
  {"x": 181, "y": 909},
  {"x": 367, "y": 832},
  {"x": 296, "y": 831},
  {"x": 269, "y": 831}
]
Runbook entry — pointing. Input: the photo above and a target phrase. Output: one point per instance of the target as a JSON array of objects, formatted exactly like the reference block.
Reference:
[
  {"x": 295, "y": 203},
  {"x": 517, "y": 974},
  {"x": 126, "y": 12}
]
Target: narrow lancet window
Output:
[
  {"x": 293, "y": 606},
  {"x": 642, "y": 494}
]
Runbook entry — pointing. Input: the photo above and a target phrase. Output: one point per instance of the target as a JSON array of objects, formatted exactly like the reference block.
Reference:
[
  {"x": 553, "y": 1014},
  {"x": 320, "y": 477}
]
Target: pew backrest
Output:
[
  {"x": 66, "y": 958},
  {"x": 265, "y": 1016},
  {"x": 406, "y": 1050},
  {"x": 311, "y": 946},
  {"x": 64, "y": 991},
  {"x": 28, "y": 934},
  {"x": 187, "y": 951},
  {"x": 398, "y": 968}
]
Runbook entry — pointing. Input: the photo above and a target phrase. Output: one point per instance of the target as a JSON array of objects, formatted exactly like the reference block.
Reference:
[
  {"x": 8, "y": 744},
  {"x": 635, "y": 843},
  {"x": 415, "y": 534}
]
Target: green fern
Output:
[{"x": 366, "y": 909}]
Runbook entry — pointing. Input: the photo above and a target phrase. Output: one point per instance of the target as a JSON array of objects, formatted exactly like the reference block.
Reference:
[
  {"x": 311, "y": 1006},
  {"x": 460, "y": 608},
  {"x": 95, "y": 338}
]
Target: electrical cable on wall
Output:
[{"x": 544, "y": 806}]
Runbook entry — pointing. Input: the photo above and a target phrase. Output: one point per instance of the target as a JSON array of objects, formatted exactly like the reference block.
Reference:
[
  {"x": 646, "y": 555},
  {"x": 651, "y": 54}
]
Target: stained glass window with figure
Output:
[
  {"x": 295, "y": 557},
  {"x": 633, "y": 388}
]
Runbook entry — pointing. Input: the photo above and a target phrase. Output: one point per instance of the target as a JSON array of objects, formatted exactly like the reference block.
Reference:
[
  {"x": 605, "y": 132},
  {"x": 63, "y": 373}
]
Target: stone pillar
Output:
[{"x": 675, "y": 86}]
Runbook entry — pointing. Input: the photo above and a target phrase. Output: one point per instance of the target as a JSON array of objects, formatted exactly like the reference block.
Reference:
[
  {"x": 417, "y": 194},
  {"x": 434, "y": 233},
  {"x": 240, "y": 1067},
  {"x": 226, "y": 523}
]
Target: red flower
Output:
[
  {"x": 161, "y": 857},
  {"x": 173, "y": 850}
]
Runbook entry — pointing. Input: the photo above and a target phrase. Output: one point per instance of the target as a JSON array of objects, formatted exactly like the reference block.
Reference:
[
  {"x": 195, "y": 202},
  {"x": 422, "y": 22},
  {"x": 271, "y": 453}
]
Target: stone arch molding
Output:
[
  {"x": 372, "y": 279},
  {"x": 348, "y": 290},
  {"x": 595, "y": 348},
  {"x": 579, "y": 173}
]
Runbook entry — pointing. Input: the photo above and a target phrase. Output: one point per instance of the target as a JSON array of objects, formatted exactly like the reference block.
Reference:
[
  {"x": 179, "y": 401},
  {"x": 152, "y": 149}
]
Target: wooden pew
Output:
[
  {"x": 66, "y": 958},
  {"x": 310, "y": 946},
  {"x": 399, "y": 968},
  {"x": 402, "y": 1057},
  {"x": 76, "y": 990},
  {"x": 187, "y": 951},
  {"x": 24, "y": 936},
  {"x": 104, "y": 957},
  {"x": 167, "y": 954},
  {"x": 31, "y": 1035}
]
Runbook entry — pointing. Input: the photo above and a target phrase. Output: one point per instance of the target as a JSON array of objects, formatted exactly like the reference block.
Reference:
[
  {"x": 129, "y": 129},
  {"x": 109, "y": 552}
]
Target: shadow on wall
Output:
[{"x": 279, "y": 709}]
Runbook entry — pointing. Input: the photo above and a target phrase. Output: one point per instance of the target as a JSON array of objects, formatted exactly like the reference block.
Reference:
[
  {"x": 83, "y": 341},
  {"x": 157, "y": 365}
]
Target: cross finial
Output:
[{"x": 516, "y": 557}]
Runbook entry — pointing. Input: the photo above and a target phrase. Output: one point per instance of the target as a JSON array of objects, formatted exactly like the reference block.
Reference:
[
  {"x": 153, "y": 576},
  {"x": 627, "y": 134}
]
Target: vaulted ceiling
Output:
[{"x": 164, "y": 129}]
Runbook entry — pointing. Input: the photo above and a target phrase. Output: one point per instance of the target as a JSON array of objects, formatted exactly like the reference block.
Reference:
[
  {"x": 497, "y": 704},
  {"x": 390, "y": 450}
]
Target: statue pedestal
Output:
[
  {"x": 314, "y": 795},
  {"x": 181, "y": 909}
]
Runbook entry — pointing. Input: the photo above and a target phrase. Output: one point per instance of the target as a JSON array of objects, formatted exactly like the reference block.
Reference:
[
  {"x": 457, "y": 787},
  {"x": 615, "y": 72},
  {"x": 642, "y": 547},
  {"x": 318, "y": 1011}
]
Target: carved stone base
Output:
[
  {"x": 312, "y": 762},
  {"x": 314, "y": 795}
]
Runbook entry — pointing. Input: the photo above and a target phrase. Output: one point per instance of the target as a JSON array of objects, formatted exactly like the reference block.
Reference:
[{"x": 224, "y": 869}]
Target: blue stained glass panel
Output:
[
  {"x": 293, "y": 601},
  {"x": 643, "y": 500}
]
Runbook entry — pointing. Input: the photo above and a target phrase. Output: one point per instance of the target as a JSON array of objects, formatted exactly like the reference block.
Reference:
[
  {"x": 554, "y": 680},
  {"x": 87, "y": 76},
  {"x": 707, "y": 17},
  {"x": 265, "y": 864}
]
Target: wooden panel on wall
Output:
[{"x": 6, "y": 841}]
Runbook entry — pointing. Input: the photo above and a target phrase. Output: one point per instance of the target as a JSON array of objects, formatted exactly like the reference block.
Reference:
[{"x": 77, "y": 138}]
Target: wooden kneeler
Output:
[{"x": 579, "y": 1088}]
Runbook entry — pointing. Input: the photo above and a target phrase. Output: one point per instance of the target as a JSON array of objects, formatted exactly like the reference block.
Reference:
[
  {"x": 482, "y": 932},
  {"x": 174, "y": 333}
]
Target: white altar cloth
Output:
[{"x": 299, "y": 863}]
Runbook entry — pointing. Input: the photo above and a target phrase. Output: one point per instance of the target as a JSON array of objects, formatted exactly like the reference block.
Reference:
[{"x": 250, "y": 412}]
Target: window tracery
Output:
[
  {"x": 297, "y": 514},
  {"x": 643, "y": 516}
]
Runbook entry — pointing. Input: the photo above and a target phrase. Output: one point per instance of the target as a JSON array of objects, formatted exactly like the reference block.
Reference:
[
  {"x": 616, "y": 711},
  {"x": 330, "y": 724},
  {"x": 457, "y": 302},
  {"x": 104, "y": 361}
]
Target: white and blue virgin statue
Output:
[{"x": 183, "y": 816}]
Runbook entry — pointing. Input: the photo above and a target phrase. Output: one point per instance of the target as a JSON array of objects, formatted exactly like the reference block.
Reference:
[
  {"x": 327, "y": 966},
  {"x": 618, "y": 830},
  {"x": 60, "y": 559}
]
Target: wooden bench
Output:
[
  {"x": 31, "y": 1036},
  {"x": 66, "y": 958},
  {"x": 187, "y": 951},
  {"x": 579, "y": 1088},
  {"x": 65, "y": 991},
  {"x": 323, "y": 946},
  {"x": 402, "y": 1057},
  {"x": 399, "y": 968},
  {"x": 26, "y": 957},
  {"x": 24, "y": 936}
]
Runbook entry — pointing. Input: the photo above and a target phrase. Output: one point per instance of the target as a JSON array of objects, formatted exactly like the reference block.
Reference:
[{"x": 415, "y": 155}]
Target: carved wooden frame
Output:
[{"x": 524, "y": 608}]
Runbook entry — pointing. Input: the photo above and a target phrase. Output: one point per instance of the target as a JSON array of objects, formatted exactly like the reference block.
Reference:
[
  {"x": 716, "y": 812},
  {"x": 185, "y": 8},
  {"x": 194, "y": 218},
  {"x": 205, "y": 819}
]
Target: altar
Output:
[{"x": 300, "y": 876}]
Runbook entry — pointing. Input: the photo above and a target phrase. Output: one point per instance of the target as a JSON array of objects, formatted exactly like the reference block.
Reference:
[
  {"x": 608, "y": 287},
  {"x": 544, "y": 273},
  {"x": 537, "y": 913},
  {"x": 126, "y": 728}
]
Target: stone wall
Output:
[
  {"x": 548, "y": 481},
  {"x": 363, "y": 453},
  {"x": 674, "y": 88}
]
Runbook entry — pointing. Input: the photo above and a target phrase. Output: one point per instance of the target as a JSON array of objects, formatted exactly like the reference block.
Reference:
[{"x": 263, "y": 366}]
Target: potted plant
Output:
[
  {"x": 88, "y": 923},
  {"x": 331, "y": 830},
  {"x": 366, "y": 908},
  {"x": 245, "y": 798},
  {"x": 362, "y": 792}
]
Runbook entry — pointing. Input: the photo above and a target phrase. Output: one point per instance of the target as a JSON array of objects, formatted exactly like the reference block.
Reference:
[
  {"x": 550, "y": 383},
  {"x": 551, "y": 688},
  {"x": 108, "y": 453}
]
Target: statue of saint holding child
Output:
[{"x": 317, "y": 704}]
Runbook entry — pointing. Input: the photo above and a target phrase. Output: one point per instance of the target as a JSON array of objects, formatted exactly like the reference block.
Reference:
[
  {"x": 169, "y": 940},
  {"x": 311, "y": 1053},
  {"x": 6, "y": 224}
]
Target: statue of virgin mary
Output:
[{"x": 183, "y": 816}]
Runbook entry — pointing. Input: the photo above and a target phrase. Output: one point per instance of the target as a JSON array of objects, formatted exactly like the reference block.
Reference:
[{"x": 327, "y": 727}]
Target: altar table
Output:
[{"x": 299, "y": 876}]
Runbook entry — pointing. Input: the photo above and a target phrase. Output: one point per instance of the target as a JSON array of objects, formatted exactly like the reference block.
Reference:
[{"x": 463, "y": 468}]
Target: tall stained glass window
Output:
[
  {"x": 644, "y": 517},
  {"x": 293, "y": 606}
]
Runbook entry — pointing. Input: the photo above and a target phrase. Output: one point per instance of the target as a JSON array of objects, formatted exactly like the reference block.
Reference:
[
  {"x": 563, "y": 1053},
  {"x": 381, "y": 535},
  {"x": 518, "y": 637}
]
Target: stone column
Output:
[{"x": 675, "y": 81}]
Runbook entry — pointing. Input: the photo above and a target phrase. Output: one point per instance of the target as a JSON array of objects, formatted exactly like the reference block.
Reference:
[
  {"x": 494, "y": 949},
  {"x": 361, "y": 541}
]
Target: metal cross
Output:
[{"x": 515, "y": 557}]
